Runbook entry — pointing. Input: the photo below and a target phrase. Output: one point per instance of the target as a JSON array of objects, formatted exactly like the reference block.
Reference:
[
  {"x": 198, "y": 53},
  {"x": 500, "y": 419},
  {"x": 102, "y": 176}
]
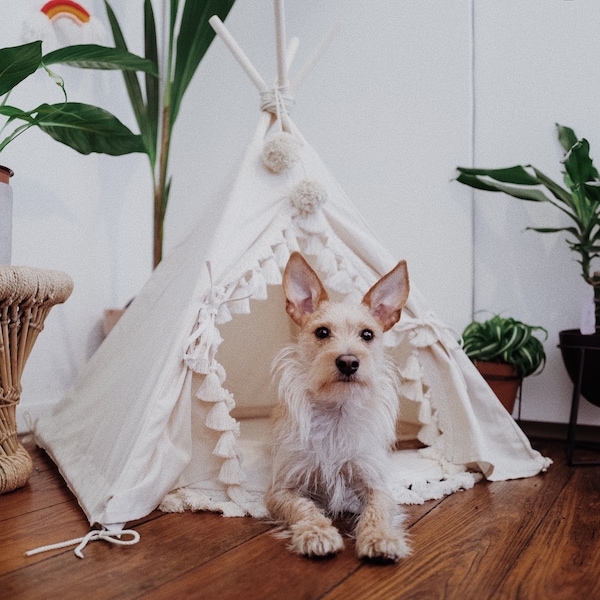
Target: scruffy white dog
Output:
[{"x": 335, "y": 424}]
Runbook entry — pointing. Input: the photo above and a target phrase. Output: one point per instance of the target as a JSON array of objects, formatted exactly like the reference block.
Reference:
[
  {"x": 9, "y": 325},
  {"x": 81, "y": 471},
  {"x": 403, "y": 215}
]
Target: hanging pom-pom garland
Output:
[{"x": 280, "y": 152}]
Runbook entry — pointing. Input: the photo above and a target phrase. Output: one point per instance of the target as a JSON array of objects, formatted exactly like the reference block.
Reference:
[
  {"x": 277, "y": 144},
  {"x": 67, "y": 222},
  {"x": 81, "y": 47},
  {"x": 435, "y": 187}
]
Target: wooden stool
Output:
[{"x": 26, "y": 296}]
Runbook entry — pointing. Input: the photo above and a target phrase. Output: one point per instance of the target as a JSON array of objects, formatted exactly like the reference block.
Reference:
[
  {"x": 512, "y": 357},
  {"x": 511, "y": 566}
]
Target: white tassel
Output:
[
  {"x": 271, "y": 271},
  {"x": 219, "y": 419},
  {"x": 411, "y": 369},
  {"x": 224, "y": 314},
  {"x": 211, "y": 389},
  {"x": 226, "y": 446},
  {"x": 282, "y": 255},
  {"x": 290, "y": 240},
  {"x": 326, "y": 262},
  {"x": 240, "y": 306},
  {"x": 231, "y": 472},
  {"x": 258, "y": 285},
  {"x": 220, "y": 371},
  {"x": 312, "y": 245}
]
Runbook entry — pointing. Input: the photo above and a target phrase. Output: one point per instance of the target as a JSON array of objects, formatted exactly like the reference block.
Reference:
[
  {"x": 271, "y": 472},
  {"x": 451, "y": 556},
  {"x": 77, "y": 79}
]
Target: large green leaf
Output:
[
  {"x": 578, "y": 163},
  {"x": 194, "y": 38},
  {"x": 150, "y": 133},
  {"x": 87, "y": 129},
  {"x": 526, "y": 193},
  {"x": 517, "y": 175},
  {"x": 566, "y": 137},
  {"x": 132, "y": 84},
  {"x": 17, "y": 63},
  {"x": 92, "y": 56}
]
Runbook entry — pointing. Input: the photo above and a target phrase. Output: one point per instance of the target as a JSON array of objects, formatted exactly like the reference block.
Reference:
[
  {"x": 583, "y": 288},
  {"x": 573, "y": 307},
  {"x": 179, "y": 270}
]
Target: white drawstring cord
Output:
[{"x": 114, "y": 537}]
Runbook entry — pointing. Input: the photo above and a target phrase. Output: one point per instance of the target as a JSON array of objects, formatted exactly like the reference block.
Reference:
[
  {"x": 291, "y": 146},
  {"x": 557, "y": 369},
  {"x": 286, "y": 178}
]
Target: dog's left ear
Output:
[{"x": 387, "y": 297}]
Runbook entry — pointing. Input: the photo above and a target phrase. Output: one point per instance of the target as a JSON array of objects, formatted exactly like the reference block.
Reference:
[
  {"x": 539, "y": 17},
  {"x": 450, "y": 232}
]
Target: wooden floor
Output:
[{"x": 535, "y": 538}]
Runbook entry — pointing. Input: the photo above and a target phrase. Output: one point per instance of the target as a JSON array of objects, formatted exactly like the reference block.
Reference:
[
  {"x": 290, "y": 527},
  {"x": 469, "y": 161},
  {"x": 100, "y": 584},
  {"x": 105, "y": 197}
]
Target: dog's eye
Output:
[
  {"x": 322, "y": 333},
  {"x": 367, "y": 335}
]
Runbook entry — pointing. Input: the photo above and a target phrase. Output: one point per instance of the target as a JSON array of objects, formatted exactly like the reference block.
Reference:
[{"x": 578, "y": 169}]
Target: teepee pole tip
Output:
[{"x": 238, "y": 53}]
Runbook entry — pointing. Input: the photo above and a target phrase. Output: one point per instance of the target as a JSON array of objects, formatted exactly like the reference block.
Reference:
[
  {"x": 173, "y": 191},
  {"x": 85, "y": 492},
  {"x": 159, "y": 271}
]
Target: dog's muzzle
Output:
[{"x": 347, "y": 364}]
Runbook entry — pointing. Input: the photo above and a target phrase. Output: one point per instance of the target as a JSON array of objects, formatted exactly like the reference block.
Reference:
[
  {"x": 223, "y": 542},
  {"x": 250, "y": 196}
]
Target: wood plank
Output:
[
  {"x": 170, "y": 546},
  {"x": 467, "y": 544},
  {"x": 562, "y": 560},
  {"x": 262, "y": 569}
]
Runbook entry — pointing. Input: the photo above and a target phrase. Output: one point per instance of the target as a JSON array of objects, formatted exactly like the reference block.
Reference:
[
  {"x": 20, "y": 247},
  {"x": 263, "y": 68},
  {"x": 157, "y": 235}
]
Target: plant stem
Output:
[{"x": 161, "y": 188}]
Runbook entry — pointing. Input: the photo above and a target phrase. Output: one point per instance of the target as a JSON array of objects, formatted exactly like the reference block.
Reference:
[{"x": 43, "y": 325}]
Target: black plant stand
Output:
[{"x": 572, "y": 443}]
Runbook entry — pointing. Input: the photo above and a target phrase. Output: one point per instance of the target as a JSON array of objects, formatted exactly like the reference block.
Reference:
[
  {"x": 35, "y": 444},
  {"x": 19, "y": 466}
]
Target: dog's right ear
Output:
[{"x": 302, "y": 288}]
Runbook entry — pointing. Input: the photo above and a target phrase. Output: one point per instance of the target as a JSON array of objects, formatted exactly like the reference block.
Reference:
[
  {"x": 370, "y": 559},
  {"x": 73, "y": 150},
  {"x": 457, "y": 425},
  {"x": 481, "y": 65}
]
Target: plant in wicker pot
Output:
[
  {"x": 504, "y": 351},
  {"x": 578, "y": 199}
]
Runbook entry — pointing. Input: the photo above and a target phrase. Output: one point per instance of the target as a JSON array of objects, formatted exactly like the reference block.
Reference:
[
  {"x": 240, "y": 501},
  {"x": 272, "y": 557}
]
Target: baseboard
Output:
[{"x": 558, "y": 431}]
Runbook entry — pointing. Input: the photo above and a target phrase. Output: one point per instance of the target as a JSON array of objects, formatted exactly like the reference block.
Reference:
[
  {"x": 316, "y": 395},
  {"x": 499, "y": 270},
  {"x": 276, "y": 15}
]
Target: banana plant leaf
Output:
[
  {"x": 92, "y": 56},
  {"x": 17, "y": 63},
  {"x": 194, "y": 37},
  {"x": 87, "y": 129},
  {"x": 471, "y": 177}
]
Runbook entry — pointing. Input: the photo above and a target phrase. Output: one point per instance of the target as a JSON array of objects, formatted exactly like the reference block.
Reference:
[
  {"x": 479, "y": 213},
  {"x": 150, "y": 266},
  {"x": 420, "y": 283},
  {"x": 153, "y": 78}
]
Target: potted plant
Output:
[
  {"x": 504, "y": 351},
  {"x": 83, "y": 127},
  {"x": 579, "y": 199},
  {"x": 89, "y": 129}
]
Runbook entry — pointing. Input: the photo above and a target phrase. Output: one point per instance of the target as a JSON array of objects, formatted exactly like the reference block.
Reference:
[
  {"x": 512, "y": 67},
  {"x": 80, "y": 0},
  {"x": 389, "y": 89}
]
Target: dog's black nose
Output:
[{"x": 347, "y": 364}]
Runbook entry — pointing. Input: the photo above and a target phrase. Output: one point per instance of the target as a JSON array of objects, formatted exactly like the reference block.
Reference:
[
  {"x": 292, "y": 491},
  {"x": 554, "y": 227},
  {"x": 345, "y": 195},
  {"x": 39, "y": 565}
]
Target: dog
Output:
[{"x": 334, "y": 426}]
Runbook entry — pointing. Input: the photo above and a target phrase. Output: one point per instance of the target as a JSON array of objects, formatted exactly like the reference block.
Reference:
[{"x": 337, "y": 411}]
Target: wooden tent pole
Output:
[
  {"x": 280, "y": 42},
  {"x": 238, "y": 53}
]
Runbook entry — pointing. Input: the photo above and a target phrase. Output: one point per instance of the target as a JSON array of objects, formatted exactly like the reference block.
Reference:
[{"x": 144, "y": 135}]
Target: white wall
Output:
[
  {"x": 532, "y": 70},
  {"x": 389, "y": 108}
]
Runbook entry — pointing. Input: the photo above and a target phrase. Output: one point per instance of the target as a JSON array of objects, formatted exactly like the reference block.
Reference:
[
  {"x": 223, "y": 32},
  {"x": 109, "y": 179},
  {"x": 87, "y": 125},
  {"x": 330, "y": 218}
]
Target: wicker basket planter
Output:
[{"x": 26, "y": 296}]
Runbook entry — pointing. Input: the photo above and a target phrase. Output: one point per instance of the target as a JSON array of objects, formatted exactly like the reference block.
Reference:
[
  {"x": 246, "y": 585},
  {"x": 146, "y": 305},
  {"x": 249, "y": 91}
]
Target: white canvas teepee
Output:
[{"x": 171, "y": 409}]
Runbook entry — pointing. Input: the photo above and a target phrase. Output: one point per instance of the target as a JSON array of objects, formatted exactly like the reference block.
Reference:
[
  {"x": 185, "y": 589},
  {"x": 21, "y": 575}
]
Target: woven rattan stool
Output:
[{"x": 26, "y": 296}]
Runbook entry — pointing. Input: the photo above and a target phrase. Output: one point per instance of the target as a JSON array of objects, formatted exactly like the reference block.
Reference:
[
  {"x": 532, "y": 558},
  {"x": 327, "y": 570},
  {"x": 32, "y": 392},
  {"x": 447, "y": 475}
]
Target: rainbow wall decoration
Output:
[
  {"x": 59, "y": 9},
  {"x": 61, "y": 23}
]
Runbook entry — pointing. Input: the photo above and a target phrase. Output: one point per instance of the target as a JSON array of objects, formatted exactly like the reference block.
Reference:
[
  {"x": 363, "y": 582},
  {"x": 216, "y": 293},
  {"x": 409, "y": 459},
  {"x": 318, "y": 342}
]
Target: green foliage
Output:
[
  {"x": 579, "y": 200},
  {"x": 83, "y": 127},
  {"x": 190, "y": 36},
  {"x": 505, "y": 340},
  {"x": 88, "y": 128}
]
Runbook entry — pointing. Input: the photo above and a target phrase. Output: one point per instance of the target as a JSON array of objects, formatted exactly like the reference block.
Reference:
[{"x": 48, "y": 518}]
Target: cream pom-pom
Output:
[
  {"x": 308, "y": 196},
  {"x": 280, "y": 152}
]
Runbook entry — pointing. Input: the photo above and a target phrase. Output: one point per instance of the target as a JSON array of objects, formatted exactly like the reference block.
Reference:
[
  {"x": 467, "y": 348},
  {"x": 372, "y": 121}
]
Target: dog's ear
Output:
[
  {"x": 302, "y": 287},
  {"x": 387, "y": 297}
]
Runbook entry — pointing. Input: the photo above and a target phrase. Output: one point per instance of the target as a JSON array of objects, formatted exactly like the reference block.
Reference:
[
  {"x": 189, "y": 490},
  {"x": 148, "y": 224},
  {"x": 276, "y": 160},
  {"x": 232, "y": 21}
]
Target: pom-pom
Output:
[
  {"x": 308, "y": 196},
  {"x": 280, "y": 152}
]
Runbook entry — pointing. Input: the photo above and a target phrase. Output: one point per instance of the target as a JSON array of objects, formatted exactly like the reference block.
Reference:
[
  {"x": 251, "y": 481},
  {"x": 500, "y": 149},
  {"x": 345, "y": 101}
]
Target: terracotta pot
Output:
[
  {"x": 504, "y": 380},
  {"x": 6, "y": 215},
  {"x": 5, "y": 174}
]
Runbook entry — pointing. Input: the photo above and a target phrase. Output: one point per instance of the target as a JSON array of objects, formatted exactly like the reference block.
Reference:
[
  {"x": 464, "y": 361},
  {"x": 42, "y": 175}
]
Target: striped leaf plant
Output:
[{"x": 506, "y": 340}]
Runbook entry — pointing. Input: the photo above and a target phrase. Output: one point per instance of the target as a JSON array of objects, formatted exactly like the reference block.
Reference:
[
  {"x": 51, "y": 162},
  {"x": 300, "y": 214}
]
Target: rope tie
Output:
[
  {"x": 114, "y": 537},
  {"x": 277, "y": 101}
]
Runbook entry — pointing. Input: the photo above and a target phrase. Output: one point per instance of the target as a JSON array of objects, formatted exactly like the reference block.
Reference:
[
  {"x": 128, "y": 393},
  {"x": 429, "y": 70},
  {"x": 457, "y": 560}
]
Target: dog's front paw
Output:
[
  {"x": 382, "y": 545},
  {"x": 315, "y": 539}
]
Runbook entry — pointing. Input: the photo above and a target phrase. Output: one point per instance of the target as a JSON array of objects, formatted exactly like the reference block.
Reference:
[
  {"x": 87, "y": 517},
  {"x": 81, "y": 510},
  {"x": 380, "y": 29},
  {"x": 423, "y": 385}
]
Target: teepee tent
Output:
[{"x": 172, "y": 409}]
